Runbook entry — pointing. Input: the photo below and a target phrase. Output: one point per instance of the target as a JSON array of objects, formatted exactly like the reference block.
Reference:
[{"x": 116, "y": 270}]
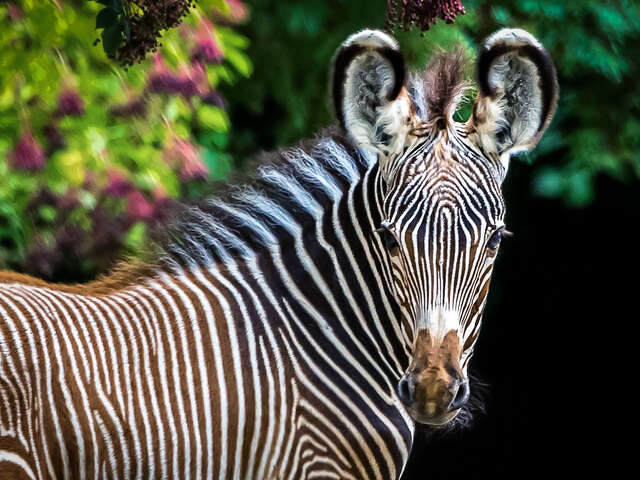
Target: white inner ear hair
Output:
[
  {"x": 513, "y": 117},
  {"x": 372, "y": 121}
]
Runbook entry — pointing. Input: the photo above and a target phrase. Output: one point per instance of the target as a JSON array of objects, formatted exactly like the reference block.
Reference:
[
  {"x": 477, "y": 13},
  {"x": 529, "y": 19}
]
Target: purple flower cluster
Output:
[
  {"x": 207, "y": 52},
  {"x": 190, "y": 81},
  {"x": 139, "y": 207},
  {"x": 135, "y": 107},
  {"x": 118, "y": 185},
  {"x": 194, "y": 170},
  {"x": 422, "y": 13},
  {"x": 163, "y": 80},
  {"x": 214, "y": 98},
  {"x": 67, "y": 202},
  {"x": 41, "y": 259},
  {"x": 184, "y": 155},
  {"x": 70, "y": 103},
  {"x": 27, "y": 154},
  {"x": 106, "y": 236},
  {"x": 237, "y": 13},
  {"x": 147, "y": 22},
  {"x": 55, "y": 139},
  {"x": 206, "y": 49},
  {"x": 15, "y": 12}
]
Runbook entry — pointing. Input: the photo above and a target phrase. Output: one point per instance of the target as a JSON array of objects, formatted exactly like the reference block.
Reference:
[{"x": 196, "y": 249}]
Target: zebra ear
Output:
[
  {"x": 518, "y": 93},
  {"x": 368, "y": 78}
]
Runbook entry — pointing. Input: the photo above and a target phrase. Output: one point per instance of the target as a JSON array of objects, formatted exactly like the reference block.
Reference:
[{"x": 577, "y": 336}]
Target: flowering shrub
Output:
[
  {"x": 91, "y": 155},
  {"x": 422, "y": 13}
]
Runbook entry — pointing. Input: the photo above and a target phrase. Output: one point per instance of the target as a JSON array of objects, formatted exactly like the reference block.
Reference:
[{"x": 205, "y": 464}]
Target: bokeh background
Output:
[{"x": 93, "y": 155}]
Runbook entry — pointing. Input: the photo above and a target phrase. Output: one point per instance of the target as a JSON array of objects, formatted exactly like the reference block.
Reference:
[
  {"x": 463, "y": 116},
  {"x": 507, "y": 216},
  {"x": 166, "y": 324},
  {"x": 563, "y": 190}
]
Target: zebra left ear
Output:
[
  {"x": 367, "y": 87},
  {"x": 518, "y": 94}
]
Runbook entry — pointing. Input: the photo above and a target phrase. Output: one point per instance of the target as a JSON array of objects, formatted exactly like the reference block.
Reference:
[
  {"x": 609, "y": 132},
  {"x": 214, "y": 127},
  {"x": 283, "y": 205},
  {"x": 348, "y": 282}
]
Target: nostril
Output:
[
  {"x": 405, "y": 390},
  {"x": 461, "y": 397}
]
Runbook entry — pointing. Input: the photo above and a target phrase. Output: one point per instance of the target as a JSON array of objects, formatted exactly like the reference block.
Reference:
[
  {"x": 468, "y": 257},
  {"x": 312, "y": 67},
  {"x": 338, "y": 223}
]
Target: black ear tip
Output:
[{"x": 396, "y": 60}]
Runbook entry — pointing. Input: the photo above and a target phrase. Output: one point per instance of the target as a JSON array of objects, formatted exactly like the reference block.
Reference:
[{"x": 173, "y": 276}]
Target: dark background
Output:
[{"x": 554, "y": 346}]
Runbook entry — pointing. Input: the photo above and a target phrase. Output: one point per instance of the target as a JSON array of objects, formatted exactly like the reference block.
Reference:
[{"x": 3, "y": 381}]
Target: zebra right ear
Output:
[
  {"x": 367, "y": 85},
  {"x": 518, "y": 93}
]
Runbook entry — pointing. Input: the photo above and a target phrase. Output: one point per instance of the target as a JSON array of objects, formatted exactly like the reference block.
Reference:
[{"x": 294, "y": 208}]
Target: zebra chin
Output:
[{"x": 423, "y": 419}]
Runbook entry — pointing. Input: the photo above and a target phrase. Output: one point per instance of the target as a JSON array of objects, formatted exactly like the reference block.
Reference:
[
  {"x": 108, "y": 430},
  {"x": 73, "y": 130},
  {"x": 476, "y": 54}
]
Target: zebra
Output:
[{"x": 302, "y": 324}]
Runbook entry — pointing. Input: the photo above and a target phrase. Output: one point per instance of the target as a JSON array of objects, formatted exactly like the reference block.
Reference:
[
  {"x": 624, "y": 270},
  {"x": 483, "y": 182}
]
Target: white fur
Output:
[
  {"x": 439, "y": 321},
  {"x": 514, "y": 37},
  {"x": 372, "y": 39}
]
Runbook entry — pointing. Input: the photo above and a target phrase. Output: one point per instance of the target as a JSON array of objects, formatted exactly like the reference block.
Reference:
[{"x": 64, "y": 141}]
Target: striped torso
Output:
[{"x": 279, "y": 363}]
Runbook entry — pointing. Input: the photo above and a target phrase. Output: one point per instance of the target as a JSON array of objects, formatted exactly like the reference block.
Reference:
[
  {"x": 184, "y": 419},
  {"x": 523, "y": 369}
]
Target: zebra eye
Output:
[
  {"x": 389, "y": 241},
  {"x": 388, "y": 238},
  {"x": 494, "y": 239}
]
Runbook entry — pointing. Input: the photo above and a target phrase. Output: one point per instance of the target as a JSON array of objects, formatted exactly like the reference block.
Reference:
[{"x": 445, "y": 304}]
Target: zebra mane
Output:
[{"x": 284, "y": 191}]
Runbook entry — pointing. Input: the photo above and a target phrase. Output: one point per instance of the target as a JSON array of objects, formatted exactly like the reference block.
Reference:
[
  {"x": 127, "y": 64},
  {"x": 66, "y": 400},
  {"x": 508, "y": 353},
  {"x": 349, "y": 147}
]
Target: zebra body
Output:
[
  {"x": 286, "y": 384},
  {"x": 283, "y": 333}
]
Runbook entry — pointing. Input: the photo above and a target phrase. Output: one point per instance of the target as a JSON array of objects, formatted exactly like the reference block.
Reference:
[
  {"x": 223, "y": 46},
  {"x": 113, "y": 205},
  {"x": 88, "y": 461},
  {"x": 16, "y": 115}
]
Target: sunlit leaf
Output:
[{"x": 213, "y": 118}]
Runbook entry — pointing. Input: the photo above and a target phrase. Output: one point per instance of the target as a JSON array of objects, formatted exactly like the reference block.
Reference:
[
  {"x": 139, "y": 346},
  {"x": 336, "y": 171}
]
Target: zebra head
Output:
[{"x": 441, "y": 201}]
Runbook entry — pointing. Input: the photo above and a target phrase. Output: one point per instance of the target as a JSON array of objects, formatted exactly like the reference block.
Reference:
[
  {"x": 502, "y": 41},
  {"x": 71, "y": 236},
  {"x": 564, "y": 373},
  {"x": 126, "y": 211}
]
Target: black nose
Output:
[
  {"x": 461, "y": 396},
  {"x": 406, "y": 389}
]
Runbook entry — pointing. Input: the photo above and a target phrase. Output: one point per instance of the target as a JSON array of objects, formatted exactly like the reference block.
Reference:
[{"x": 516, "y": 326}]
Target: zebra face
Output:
[
  {"x": 441, "y": 181},
  {"x": 443, "y": 228}
]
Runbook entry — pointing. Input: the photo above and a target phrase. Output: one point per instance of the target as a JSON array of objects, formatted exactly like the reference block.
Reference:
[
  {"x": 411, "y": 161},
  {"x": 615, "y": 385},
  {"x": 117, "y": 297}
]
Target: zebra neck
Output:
[{"x": 302, "y": 234}]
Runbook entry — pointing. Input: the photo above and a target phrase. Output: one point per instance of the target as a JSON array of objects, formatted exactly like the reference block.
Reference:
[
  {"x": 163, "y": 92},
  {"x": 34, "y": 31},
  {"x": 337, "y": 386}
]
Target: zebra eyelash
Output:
[{"x": 497, "y": 236}]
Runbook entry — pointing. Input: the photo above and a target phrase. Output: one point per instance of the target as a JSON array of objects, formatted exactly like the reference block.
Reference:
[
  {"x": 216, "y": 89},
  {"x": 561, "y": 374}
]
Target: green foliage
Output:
[
  {"x": 291, "y": 46},
  {"x": 595, "y": 45},
  {"x": 91, "y": 153}
]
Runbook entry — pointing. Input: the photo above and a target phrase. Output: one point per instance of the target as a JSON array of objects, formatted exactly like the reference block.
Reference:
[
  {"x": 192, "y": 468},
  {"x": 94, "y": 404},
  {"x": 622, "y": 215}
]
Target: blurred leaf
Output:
[
  {"x": 219, "y": 164},
  {"x": 111, "y": 39},
  {"x": 135, "y": 238},
  {"x": 240, "y": 62},
  {"x": 106, "y": 17},
  {"x": 549, "y": 183},
  {"x": 214, "y": 118},
  {"x": 47, "y": 213}
]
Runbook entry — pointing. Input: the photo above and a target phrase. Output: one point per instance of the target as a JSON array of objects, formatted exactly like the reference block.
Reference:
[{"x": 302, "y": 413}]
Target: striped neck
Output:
[{"x": 306, "y": 225}]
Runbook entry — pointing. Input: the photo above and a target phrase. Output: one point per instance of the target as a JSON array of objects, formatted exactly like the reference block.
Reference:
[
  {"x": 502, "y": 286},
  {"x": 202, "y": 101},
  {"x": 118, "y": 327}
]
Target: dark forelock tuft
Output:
[{"x": 435, "y": 93}]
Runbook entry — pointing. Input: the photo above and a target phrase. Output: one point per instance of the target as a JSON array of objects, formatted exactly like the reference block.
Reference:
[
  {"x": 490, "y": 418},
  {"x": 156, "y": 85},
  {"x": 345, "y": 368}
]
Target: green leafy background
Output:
[
  {"x": 595, "y": 45},
  {"x": 273, "y": 78},
  {"x": 49, "y": 47}
]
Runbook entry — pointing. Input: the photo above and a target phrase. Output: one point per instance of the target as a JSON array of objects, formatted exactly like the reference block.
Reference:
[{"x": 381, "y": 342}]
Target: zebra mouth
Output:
[{"x": 426, "y": 419}]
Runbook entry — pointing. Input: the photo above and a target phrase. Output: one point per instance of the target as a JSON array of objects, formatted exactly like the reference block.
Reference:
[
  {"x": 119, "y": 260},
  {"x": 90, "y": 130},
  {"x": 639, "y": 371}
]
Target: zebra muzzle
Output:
[{"x": 434, "y": 389}]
